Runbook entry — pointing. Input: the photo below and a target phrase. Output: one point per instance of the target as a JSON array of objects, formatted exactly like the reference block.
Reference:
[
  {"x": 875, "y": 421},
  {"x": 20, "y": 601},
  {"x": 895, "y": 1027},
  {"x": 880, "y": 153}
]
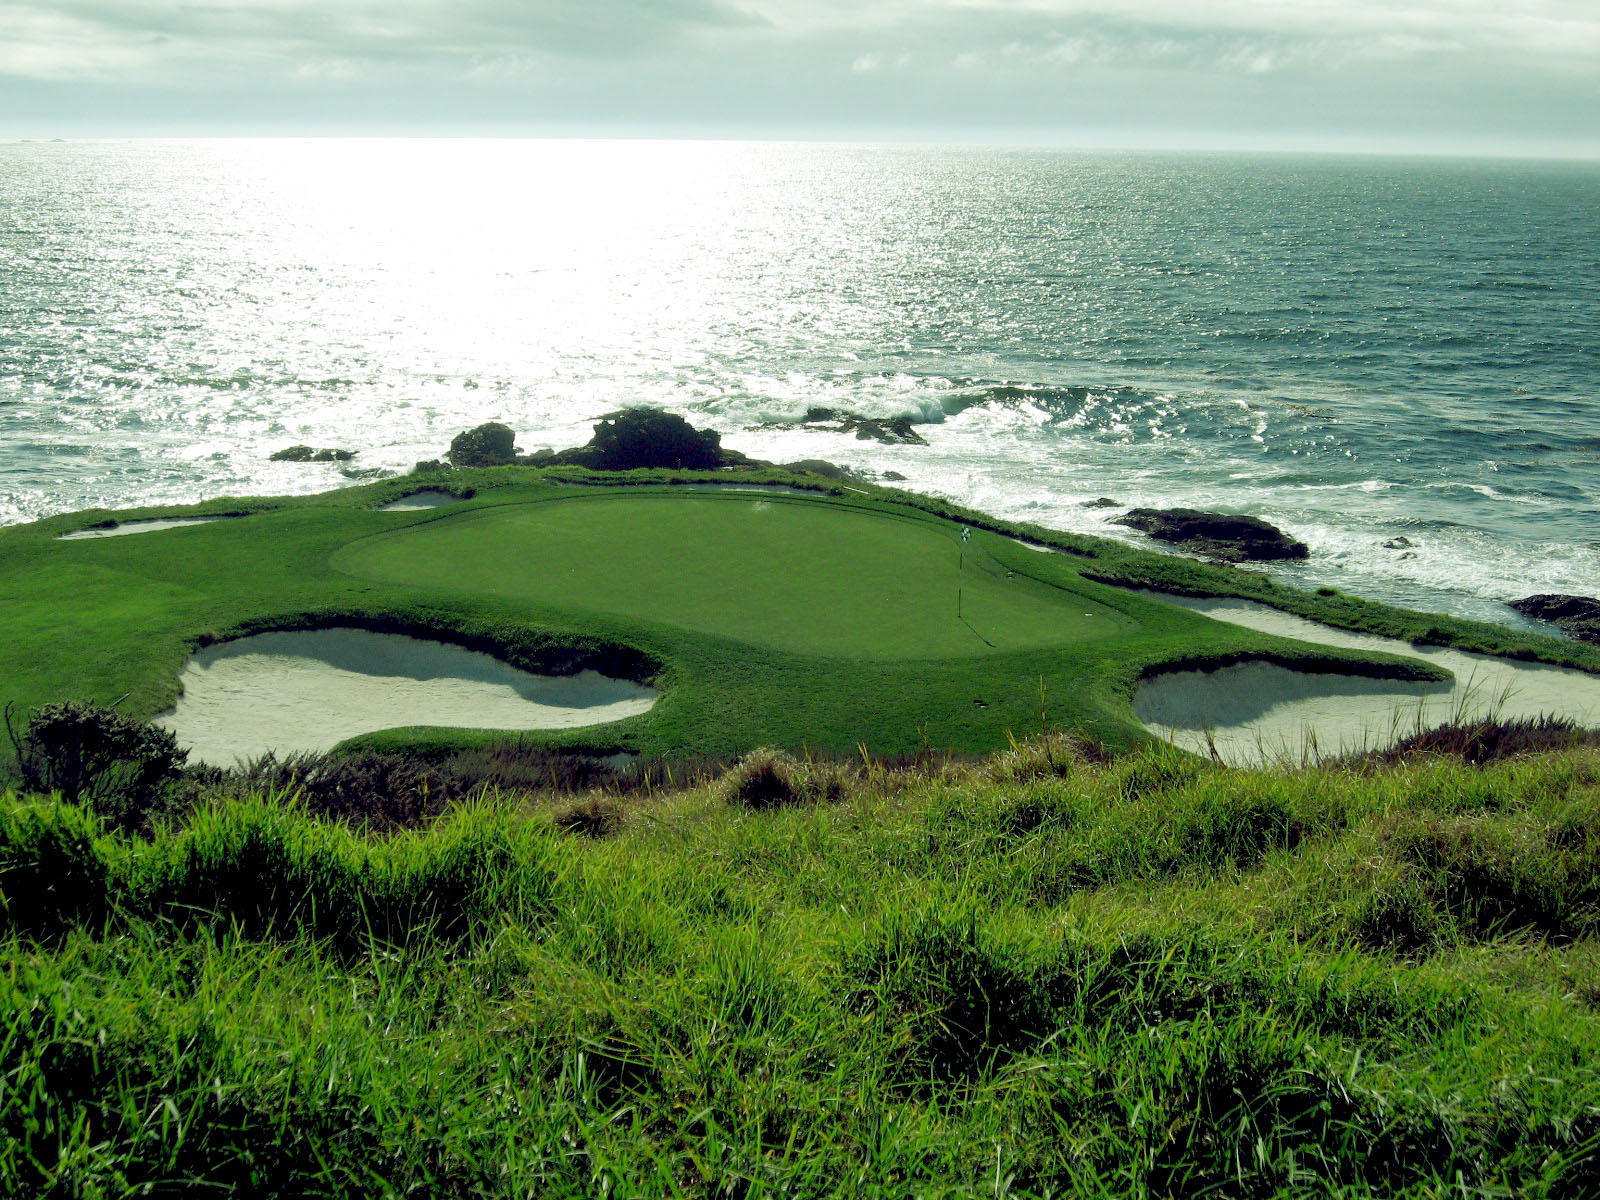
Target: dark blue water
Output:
[{"x": 1399, "y": 361}]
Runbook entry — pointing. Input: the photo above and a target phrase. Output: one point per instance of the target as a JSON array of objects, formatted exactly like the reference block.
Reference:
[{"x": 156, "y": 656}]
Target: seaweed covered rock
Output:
[
  {"x": 1216, "y": 535},
  {"x": 310, "y": 454},
  {"x": 1578, "y": 615},
  {"x": 891, "y": 431},
  {"x": 489, "y": 445}
]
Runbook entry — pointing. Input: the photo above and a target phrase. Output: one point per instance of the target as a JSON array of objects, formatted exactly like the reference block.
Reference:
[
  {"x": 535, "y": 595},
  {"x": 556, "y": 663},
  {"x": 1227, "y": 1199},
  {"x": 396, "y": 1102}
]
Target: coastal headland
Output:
[{"x": 765, "y": 606}]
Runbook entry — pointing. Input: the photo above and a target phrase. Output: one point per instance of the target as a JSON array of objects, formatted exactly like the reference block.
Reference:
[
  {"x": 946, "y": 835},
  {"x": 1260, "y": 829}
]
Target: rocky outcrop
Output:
[
  {"x": 639, "y": 438},
  {"x": 309, "y": 454},
  {"x": 1215, "y": 535},
  {"x": 893, "y": 431},
  {"x": 822, "y": 468},
  {"x": 489, "y": 445},
  {"x": 1577, "y": 615}
]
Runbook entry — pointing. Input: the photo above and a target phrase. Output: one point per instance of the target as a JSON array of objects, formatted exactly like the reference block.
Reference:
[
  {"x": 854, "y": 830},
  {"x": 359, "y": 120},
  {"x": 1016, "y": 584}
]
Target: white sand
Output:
[
  {"x": 780, "y": 489},
  {"x": 417, "y": 501},
  {"x": 128, "y": 527},
  {"x": 308, "y": 690},
  {"x": 1031, "y": 545},
  {"x": 1259, "y": 712}
]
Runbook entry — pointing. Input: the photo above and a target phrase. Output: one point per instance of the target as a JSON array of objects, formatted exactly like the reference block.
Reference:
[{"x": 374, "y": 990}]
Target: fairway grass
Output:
[
  {"x": 826, "y": 623},
  {"x": 789, "y": 573}
]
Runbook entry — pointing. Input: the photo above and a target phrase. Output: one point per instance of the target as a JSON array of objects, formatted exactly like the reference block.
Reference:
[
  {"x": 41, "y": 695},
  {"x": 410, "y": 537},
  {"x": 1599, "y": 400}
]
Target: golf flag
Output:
[{"x": 966, "y": 533}]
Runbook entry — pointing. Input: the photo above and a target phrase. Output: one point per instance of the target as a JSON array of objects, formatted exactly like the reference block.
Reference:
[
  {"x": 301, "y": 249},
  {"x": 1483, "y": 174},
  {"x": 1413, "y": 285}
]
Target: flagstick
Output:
[{"x": 961, "y": 568}]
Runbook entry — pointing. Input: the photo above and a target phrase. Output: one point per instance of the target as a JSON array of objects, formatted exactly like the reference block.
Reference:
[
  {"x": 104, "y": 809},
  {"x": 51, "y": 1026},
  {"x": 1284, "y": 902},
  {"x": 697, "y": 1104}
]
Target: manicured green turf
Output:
[
  {"x": 807, "y": 621},
  {"x": 795, "y": 574}
]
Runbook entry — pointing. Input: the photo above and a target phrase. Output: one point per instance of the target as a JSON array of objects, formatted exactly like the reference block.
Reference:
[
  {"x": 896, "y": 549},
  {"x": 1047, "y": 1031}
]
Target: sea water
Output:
[{"x": 1398, "y": 361}]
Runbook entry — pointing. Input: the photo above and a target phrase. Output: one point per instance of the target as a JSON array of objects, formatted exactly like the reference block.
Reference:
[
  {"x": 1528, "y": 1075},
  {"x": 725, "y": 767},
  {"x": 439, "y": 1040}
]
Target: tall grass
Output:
[{"x": 1049, "y": 974}]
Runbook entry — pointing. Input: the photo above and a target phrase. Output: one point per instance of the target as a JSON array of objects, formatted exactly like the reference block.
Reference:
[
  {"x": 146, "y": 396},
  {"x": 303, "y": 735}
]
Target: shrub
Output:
[
  {"x": 595, "y": 817},
  {"x": 120, "y": 767},
  {"x": 645, "y": 437},
  {"x": 53, "y": 872},
  {"x": 1487, "y": 740},
  {"x": 766, "y": 778},
  {"x": 1054, "y": 755}
]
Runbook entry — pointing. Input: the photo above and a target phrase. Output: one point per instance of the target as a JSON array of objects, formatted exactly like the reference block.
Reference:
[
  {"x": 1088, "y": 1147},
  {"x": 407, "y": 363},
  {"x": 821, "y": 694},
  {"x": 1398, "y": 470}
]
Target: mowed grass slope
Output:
[
  {"x": 824, "y": 623},
  {"x": 785, "y": 572}
]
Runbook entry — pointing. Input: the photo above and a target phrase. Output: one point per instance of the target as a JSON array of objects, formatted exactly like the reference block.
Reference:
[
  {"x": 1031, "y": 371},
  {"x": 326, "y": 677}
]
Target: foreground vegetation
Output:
[{"x": 1052, "y": 972}]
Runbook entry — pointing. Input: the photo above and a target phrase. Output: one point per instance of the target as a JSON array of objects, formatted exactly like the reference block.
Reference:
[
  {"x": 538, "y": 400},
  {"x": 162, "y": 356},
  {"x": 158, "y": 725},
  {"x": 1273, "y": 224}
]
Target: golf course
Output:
[
  {"x": 769, "y": 612},
  {"x": 547, "y": 832}
]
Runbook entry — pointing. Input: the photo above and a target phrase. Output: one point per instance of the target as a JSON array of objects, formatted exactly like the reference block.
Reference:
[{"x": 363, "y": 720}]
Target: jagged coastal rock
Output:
[
  {"x": 1215, "y": 535},
  {"x": 1578, "y": 615},
  {"x": 895, "y": 431},
  {"x": 489, "y": 445},
  {"x": 631, "y": 439},
  {"x": 310, "y": 454}
]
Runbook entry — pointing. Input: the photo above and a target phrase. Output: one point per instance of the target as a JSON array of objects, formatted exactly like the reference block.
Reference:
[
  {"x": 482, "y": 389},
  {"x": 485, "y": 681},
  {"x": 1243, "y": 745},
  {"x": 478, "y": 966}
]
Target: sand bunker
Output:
[
  {"x": 417, "y": 501},
  {"x": 1035, "y": 546},
  {"x": 310, "y": 689},
  {"x": 128, "y": 527},
  {"x": 777, "y": 489},
  {"x": 1257, "y": 712}
]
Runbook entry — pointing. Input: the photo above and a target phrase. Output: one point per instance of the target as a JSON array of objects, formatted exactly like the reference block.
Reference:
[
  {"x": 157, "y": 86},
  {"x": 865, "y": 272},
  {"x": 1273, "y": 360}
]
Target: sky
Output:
[{"x": 1437, "y": 76}]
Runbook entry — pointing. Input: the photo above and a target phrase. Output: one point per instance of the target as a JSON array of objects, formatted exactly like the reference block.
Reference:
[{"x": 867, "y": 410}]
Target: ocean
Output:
[{"x": 1398, "y": 361}]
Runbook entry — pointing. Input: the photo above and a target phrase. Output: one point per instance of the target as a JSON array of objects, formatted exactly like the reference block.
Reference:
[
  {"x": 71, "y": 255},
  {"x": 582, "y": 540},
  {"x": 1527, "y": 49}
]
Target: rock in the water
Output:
[
  {"x": 894, "y": 431},
  {"x": 818, "y": 466},
  {"x": 1216, "y": 535},
  {"x": 308, "y": 454},
  {"x": 489, "y": 445},
  {"x": 1103, "y": 502},
  {"x": 1578, "y": 615},
  {"x": 1399, "y": 543}
]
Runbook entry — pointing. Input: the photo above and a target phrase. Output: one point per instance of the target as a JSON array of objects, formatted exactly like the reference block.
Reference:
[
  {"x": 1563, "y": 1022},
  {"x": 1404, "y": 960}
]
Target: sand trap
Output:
[
  {"x": 1258, "y": 712},
  {"x": 128, "y": 527},
  {"x": 310, "y": 689},
  {"x": 1035, "y": 546},
  {"x": 780, "y": 489},
  {"x": 417, "y": 501}
]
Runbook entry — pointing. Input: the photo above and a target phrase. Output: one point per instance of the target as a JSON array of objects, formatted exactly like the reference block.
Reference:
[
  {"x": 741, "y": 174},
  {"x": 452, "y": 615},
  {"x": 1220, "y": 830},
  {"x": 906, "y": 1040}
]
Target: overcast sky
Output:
[{"x": 1455, "y": 76}]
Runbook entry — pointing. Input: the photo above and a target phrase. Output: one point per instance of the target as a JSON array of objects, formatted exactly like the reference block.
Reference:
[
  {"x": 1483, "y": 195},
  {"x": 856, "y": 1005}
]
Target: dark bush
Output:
[
  {"x": 53, "y": 874},
  {"x": 1487, "y": 740},
  {"x": 489, "y": 445},
  {"x": 387, "y": 792},
  {"x": 645, "y": 437},
  {"x": 121, "y": 768},
  {"x": 764, "y": 778},
  {"x": 596, "y": 817}
]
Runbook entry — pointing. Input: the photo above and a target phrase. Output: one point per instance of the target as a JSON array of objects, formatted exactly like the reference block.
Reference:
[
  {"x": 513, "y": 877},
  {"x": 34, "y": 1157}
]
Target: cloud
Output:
[
  {"x": 834, "y": 65},
  {"x": 96, "y": 39}
]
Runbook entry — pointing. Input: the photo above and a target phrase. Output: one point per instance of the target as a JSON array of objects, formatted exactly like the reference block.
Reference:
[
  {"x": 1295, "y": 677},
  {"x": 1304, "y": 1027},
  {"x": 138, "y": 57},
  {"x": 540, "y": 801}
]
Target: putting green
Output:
[{"x": 789, "y": 573}]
